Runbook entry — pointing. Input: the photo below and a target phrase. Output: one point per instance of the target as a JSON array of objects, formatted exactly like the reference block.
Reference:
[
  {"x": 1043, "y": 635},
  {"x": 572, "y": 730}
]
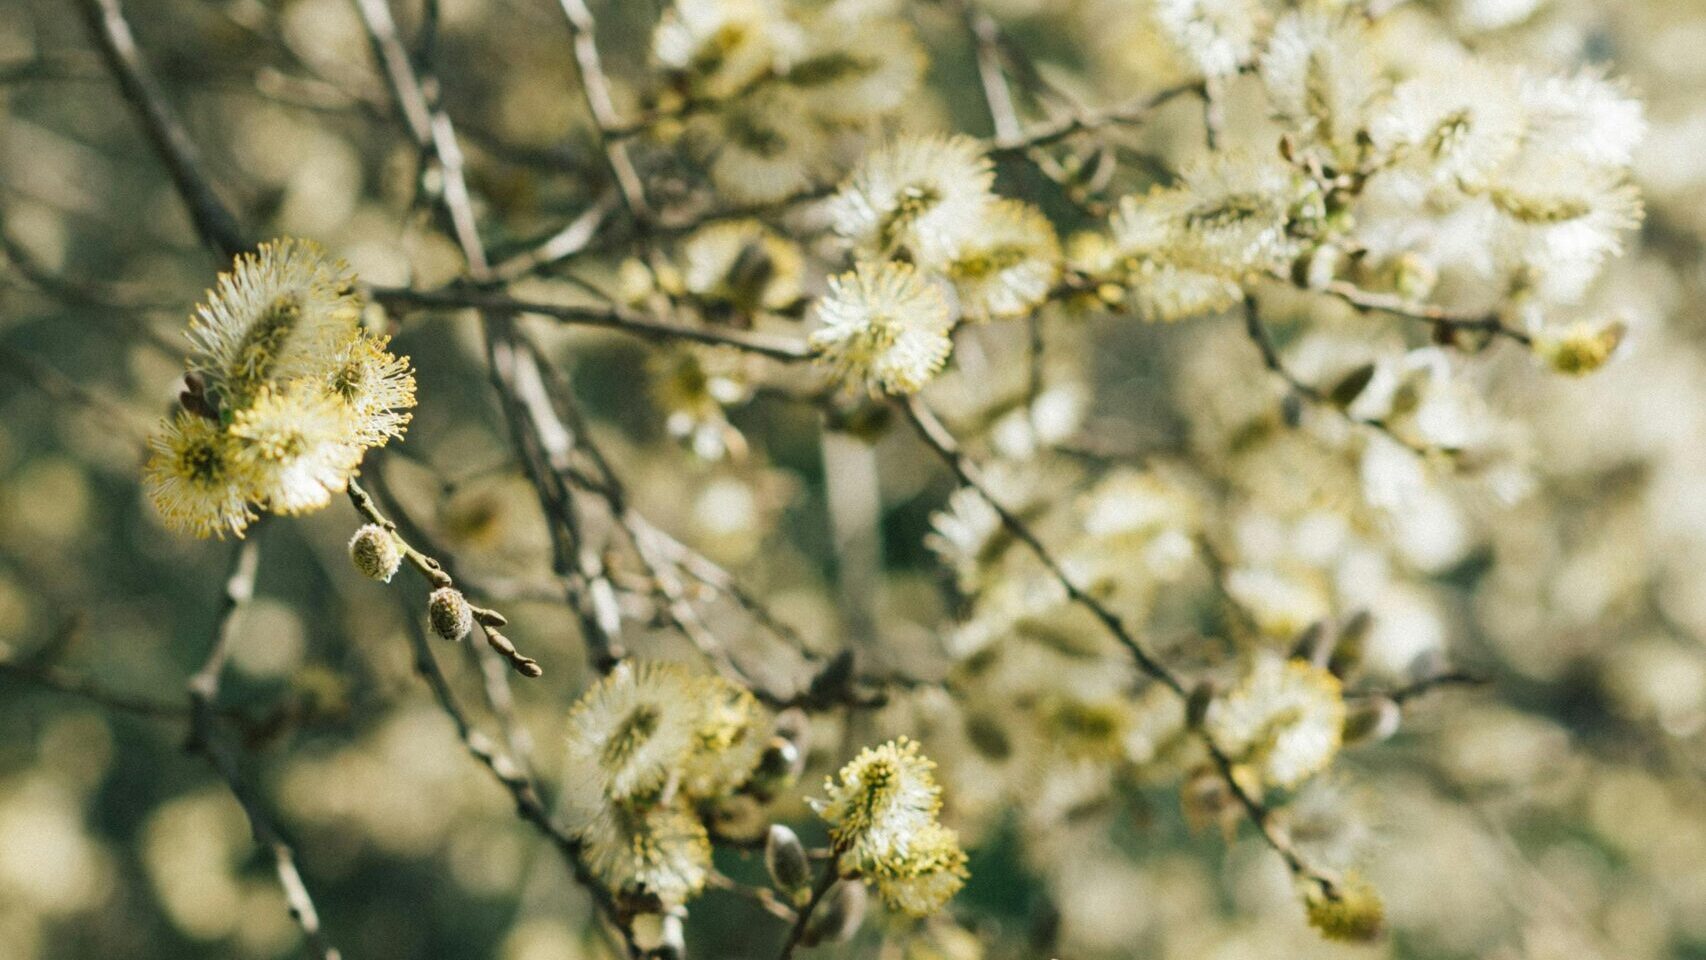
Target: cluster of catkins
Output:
[
  {"x": 932, "y": 244},
  {"x": 882, "y": 812},
  {"x": 656, "y": 751},
  {"x": 287, "y": 391},
  {"x": 650, "y": 746},
  {"x": 1505, "y": 193},
  {"x": 767, "y": 93}
]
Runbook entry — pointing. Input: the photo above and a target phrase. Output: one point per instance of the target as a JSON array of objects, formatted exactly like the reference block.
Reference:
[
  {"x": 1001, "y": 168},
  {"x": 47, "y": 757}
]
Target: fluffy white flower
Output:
[
  {"x": 281, "y": 313},
  {"x": 1562, "y": 219},
  {"x": 925, "y": 194},
  {"x": 1216, "y": 36},
  {"x": 728, "y": 743},
  {"x": 1010, "y": 265},
  {"x": 196, "y": 480},
  {"x": 724, "y": 45},
  {"x": 881, "y": 804},
  {"x": 301, "y": 444},
  {"x": 627, "y": 736},
  {"x": 656, "y": 850},
  {"x": 1455, "y": 126},
  {"x": 1284, "y": 718},
  {"x": 1282, "y": 605},
  {"x": 1228, "y": 215},
  {"x": 922, "y": 882},
  {"x": 885, "y": 326},
  {"x": 1585, "y": 116},
  {"x": 763, "y": 147},
  {"x": 742, "y": 264},
  {"x": 856, "y": 69},
  {"x": 375, "y": 386},
  {"x": 1321, "y": 78}
]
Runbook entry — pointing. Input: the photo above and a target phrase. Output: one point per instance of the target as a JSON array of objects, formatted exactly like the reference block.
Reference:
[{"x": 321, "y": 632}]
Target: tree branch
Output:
[
  {"x": 172, "y": 144},
  {"x": 610, "y": 317}
]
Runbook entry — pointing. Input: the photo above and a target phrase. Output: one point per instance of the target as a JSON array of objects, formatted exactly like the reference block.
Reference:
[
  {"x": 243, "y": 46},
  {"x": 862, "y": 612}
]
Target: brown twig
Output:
[
  {"x": 609, "y": 317},
  {"x": 213, "y": 220},
  {"x": 486, "y": 620},
  {"x": 595, "y": 90},
  {"x": 937, "y": 437},
  {"x": 218, "y": 229},
  {"x": 1258, "y": 334},
  {"x": 206, "y": 739},
  {"x": 1439, "y": 318}
]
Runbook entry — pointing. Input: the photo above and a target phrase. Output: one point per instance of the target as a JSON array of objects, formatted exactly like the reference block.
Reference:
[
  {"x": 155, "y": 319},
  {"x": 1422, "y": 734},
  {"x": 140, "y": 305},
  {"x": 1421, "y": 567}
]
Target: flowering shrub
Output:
[{"x": 1139, "y": 454}]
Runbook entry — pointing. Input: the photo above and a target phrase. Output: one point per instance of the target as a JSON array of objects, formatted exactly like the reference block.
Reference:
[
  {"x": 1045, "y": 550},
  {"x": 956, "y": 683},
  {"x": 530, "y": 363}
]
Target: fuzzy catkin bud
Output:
[
  {"x": 449, "y": 613},
  {"x": 1373, "y": 721},
  {"x": 1582, "y": 349},
  {"x": 374, "y": 552},
  {"x": 785, "y": 858},
  {"x": 839, "y": 916},
  {"x": 1351, "y": 912}
]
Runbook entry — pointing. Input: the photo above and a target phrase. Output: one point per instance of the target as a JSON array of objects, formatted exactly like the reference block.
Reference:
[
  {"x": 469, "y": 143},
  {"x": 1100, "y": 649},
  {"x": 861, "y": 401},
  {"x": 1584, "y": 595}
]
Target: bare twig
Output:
[
  {"x": 610, "y": 317},
  {"x": 565, "y": 243},
  {"x": 595, "y": 89},
  {"x": 172, "y": 144},
  {"x": 512, "y": 374},
  {"x": 825, "y": 881},
  {"x": 60, "y": 388},
  {"x": 1441, "y": 319},
  {"x": 206, "y": 739},
  {"x": 219, "y": 230},
  {"x": 996, "y": 93},
  {"x": 61, "y": 681},
  {"x": 1258, "y": 334},
  {"x": 429, "y": 125},
  {"x": 939, "y": 439},
  {"x": 513, "y": 777},
  {"x": 1423, "y": 686},
  {"x": 1133, "y": 112},
  {"x": 486, "y": 620}
]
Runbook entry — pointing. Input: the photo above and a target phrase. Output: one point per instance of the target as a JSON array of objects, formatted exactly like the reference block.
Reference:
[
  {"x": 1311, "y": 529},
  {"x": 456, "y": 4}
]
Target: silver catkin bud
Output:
[
  {"x": 778, "y": 768},
  {"x": 374, "y": 552},
  {"x": 839, "y": 916},
  {"x": 1372, "y": 721},
  {"x": 785, "y": 858},
  {"x": 449, "y": 613}
]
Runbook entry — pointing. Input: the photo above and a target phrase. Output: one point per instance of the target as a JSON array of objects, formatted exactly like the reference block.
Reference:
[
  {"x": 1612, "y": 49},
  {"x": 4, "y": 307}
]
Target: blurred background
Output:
[{"x": 1557, "y": 812}]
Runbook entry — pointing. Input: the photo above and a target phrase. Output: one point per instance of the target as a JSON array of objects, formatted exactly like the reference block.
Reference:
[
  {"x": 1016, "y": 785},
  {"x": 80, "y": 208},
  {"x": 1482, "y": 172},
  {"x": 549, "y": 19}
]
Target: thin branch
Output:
[
  {"x": 938, "y": 438},
  {"x": 595, "y": 89},
  {"x": 1133, "y": 112},
  {"x": 1441, "y": 319},
  {"x": 513, "y": 777},
  {"x": 763, "y": 896},
  {"x": 650, "y": 547},
  {"x": 1258, "y": 334},
  {"x": 61, "y": 681},
  {"x": 206, "y": 739},
  {"x": 213, "y": 220},
  {"x": 1423, "y": 686},
  {"x": 429, "y": 125},
  {"x": 610, "y": 317},
  {"x": 821, "y": 887},
  {"x": 530, "y": 422},
  {"x": 60, "y": 388},
  {"x": 565, "y": 243},
  {"x": 996, "y": 92}
]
